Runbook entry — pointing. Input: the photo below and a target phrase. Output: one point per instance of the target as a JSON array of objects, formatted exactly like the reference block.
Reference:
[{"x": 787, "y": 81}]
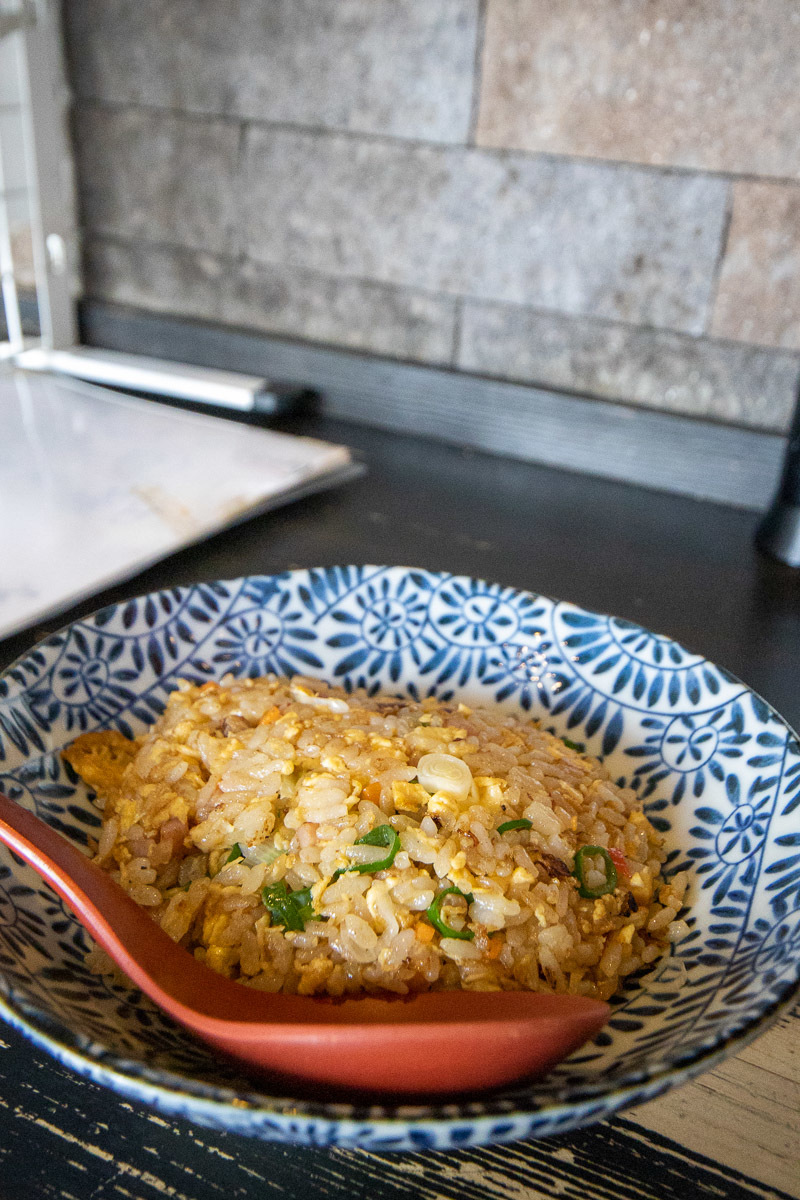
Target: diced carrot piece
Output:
[
  {"x": 372, "y": 792},
  {"x": 270, "y": 716},
  {"x": 620, "y": 862},
  {"x": 495, "y": 946},
  {"x": 424, "y": 932}
]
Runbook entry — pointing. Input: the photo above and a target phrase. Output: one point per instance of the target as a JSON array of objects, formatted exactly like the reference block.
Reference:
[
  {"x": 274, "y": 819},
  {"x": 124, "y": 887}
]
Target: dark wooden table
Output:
[{"x": 683, "y": 568}]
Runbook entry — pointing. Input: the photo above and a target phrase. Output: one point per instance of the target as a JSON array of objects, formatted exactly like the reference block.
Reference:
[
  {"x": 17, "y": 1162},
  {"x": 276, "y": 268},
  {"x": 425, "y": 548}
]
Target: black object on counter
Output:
[{"x": 779, "y": 533}]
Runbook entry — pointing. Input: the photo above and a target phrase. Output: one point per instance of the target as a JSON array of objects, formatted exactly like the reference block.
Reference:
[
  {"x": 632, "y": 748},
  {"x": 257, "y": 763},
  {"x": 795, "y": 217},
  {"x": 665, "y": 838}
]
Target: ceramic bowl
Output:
[{"x": 717, "y": 770}]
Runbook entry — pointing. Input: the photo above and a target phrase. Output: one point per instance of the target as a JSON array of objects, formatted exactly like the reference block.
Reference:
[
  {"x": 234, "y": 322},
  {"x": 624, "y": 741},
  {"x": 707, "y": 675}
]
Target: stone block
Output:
[
  {"x": 621, "y": 242},
  {"x": 712, "y": 86},
  {"x": 162, "y": 279},
  {"x": 157, "y": 176},
  {"x": 700, "y": 377},
  {"x": 396, "y": 322},
  {"x": 392, "y": 67},
  {"x": 351, "y": 313}
]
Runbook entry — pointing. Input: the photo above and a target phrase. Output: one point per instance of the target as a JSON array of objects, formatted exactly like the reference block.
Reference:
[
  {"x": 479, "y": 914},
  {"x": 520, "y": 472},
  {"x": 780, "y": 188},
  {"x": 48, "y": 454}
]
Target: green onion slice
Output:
[
  {"x": 235, "y": 853},
  {"x": 290, "y": 909},
  {"x": 267, "y": 854},
  {"x": 381, "y": 835},
  {"x": 574, "y": 745},
  {"x": 433, "y": 915},
  {"x": 520, "y": 823},
  {"x": 610, "y": 882}
]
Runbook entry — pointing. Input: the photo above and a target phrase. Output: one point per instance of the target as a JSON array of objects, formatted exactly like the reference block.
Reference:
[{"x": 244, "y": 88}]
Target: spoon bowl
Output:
[{"x": 429, "y": 1043}]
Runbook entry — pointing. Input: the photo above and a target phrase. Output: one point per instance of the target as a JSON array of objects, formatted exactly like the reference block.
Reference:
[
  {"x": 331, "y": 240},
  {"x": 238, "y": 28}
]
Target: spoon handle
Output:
[
  {"x": 164, "y": 970},
  {"x": 124, "y": 930}
]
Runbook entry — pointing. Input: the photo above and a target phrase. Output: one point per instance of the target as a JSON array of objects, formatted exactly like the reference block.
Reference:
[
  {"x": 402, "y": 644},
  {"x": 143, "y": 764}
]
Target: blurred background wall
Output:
[{"x": 598, "y": 195}]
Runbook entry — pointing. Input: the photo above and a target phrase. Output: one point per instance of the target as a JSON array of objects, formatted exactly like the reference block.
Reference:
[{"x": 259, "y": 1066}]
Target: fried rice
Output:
[{"x": 298, "y": 838}]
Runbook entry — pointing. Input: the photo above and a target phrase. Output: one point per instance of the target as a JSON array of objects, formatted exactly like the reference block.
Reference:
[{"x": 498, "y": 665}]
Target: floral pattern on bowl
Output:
[{"x": 717, "y": 769}]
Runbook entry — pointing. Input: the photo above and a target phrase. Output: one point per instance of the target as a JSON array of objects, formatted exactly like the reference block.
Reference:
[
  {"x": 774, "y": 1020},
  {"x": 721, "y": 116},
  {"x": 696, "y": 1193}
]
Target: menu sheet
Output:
[{"x": 95, "y": 486}]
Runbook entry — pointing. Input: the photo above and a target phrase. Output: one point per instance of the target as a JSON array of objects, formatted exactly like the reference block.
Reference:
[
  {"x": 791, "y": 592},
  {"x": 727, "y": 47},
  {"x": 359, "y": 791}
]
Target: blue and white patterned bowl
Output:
[{"x": 718, "y": 770}]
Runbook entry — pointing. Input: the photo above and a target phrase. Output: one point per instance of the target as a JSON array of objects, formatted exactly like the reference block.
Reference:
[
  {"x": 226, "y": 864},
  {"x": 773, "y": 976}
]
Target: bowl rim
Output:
[{"x": 172, "y": 1091}]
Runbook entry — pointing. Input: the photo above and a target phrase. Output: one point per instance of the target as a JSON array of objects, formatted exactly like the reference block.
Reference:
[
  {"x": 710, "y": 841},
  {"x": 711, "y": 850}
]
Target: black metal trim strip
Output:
[{"x": 731, "y": 465}]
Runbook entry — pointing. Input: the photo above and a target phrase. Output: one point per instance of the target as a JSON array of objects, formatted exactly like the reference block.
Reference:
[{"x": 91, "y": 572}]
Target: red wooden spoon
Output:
[{"x": 434, "y": 1042}]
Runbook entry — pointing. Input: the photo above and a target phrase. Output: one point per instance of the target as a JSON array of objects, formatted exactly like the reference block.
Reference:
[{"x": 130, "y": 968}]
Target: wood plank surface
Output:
[
  {"x": 59, "y": 1132},
  {"x": 746, "y": 1112}
]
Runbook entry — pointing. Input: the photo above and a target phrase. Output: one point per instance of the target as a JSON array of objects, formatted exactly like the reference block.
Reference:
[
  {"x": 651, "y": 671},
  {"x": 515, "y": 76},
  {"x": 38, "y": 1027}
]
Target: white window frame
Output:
[{"x": 33, "y": 27}]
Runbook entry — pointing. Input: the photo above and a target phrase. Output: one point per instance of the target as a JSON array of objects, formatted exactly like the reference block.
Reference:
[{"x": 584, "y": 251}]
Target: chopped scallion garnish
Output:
[
  {"x": 235, "y": 853},
  {"x": 381, "y": 835},
  {"x": 266, "y": 853},
  {"x": 581, "y": 866},
  {"x": 573, "y": 745},
  {"x": 520, "y": 823},
  {"x": 290, "y": 909},
  {"x": 434, "y": 915}
]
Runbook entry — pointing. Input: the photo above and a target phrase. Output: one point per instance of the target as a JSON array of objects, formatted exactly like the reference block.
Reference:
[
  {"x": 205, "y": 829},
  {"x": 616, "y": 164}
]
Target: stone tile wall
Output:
[{"x": 597, "y": 197}]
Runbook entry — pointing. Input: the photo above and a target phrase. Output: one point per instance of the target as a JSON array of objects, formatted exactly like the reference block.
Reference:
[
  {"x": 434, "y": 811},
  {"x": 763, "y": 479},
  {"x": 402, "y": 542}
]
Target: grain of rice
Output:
[
  {"x": 108, "y": 838},
  {"x": 142, "y": 893}
]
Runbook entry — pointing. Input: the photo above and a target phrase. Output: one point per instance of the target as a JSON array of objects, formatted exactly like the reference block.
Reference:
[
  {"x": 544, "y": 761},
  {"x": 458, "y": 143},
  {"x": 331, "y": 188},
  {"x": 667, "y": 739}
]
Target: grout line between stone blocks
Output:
[
  {"x": 237, "y": 251},
  {"x": 458, "y": 327},
  {"x": 501, "y": 152},
  {"x": 477, "y": 72},
  {"x": 716, "y": 274}
]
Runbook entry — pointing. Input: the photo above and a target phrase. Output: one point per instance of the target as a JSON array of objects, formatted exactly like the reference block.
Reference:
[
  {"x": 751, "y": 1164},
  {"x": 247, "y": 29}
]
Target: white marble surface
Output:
[{"x": 94, "y": 486}]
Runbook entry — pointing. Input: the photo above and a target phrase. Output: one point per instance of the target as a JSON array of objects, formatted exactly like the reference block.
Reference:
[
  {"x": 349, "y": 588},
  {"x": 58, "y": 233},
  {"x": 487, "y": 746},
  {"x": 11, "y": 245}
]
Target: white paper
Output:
[{"x": 94, "y": 486}]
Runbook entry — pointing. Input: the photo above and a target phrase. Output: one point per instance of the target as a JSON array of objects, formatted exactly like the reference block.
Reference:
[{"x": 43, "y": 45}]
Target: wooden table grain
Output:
[{"x": 684, "y": 568}]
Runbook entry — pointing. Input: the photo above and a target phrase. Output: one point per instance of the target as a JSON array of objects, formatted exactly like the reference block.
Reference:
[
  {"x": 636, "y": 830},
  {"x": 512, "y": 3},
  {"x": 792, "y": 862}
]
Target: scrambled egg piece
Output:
[
  {"x": 101, "y": 759},
  {"x": 409, "y": 797}
]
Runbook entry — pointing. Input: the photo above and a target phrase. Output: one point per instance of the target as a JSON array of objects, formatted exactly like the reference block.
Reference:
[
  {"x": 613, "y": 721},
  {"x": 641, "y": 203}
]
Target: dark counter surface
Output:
[{"x": 680, "y": 567}]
